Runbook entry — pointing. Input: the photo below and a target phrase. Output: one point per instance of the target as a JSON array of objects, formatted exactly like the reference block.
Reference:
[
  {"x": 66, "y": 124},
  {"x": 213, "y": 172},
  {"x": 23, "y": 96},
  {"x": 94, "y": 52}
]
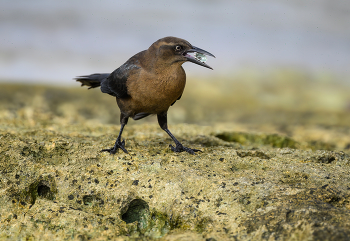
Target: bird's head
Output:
[{"x": 171, "y": 50}]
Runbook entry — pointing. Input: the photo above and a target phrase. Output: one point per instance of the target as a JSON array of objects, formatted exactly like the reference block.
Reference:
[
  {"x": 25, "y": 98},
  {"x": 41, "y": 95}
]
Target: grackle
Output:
[{"x": 149, "y": 83}]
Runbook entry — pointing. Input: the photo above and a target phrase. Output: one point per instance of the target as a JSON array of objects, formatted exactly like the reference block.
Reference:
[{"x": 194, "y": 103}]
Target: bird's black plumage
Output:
[
  {"x": 115, "y": 84},
  {"x": 93, "y": 80}
]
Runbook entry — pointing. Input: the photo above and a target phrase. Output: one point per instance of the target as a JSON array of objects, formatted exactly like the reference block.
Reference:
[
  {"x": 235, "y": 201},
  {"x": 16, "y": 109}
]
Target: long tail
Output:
[{"x": 93, "y": 80}]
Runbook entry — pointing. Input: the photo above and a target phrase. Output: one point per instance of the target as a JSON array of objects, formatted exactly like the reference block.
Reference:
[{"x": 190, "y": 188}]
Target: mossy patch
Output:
[
  {"x": 257, "y": 140},
  {"x": 272, "y": 140}
]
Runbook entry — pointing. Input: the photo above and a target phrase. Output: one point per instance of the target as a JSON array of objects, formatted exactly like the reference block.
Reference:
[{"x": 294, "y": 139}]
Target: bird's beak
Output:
[{"x": 198, "y": 57}]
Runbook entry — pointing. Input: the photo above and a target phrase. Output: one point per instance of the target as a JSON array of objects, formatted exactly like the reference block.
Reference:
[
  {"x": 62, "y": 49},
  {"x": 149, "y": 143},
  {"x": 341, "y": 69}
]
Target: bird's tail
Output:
[{"x": 93, "y": 80}]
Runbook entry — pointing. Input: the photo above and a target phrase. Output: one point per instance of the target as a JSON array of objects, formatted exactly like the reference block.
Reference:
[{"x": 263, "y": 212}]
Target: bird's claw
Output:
[
  {"x": 117, "y": 145},
  {"x": 180, "y": 148}
]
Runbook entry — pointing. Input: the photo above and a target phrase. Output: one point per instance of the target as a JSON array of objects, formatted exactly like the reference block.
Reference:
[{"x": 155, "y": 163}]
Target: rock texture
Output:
[{"x": 244, "y": 185}]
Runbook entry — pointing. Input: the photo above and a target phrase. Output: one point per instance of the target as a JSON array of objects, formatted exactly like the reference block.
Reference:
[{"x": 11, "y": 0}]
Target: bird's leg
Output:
[
  {"x": 118, "y": 143},
  {"x": 163, "y": 123}
]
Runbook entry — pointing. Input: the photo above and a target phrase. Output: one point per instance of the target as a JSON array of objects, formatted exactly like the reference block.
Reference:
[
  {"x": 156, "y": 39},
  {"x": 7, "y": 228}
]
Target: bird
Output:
[{"x": 148, "y": 84}]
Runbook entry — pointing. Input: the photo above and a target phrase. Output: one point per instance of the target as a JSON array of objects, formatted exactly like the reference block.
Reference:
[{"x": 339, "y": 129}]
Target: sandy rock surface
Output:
[
  {"x": 57, "y": 185},
  {"x": 248, "y": 183}
]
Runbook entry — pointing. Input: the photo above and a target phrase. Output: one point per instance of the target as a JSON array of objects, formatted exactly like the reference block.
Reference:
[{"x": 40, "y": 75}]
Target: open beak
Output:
[{"x": 197, "y": 58}]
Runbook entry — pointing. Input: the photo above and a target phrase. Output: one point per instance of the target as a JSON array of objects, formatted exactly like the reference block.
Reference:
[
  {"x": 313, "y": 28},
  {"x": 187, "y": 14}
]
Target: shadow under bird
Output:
[{"x": 149, "y": 83}]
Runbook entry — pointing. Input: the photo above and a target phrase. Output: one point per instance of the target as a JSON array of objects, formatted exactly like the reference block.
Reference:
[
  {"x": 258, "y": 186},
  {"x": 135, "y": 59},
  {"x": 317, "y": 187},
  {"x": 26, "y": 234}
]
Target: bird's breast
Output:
[{"x": 154, "y": 93}]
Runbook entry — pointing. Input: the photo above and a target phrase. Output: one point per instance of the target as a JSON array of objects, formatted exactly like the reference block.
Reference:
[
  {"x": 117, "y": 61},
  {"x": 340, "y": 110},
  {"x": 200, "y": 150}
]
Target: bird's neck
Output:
[{"x": 164, "y": 74}]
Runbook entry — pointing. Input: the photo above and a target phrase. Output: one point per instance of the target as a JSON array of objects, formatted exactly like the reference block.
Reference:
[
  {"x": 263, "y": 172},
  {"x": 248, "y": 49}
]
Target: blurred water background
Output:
[
  {"x": 52, "y": 41},
  {"x": 277, "y": 62}
]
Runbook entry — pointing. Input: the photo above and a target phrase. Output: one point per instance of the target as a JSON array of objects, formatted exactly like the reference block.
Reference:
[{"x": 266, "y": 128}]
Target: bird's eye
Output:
[{"x": 178, "y": 47}]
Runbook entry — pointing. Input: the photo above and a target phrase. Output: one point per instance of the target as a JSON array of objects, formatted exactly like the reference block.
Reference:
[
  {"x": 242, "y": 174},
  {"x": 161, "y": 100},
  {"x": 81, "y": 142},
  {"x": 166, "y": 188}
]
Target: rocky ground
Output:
[{"x": 280, "y": 176}]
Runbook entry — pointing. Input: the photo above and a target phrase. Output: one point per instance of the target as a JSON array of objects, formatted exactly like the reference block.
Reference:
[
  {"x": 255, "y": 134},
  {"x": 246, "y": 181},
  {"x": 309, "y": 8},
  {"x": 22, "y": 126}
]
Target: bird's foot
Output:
[
  {"x": 180, "y": 148},
  {"x": 118, "y": 144}
]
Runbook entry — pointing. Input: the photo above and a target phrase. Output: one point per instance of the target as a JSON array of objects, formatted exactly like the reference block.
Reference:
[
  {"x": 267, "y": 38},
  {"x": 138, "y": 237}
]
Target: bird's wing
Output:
[
  {"x": 115, "y": 84},
  {"x": 140, "y": 115}
]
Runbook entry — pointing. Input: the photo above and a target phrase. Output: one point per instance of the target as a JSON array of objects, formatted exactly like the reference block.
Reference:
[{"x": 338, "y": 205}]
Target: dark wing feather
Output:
[
  {"x": 115, "y": 84},
  {"x": 176, "y": 100},
  {"x": 92, "y": 80},
  {"x": 140, "y": 115}
]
